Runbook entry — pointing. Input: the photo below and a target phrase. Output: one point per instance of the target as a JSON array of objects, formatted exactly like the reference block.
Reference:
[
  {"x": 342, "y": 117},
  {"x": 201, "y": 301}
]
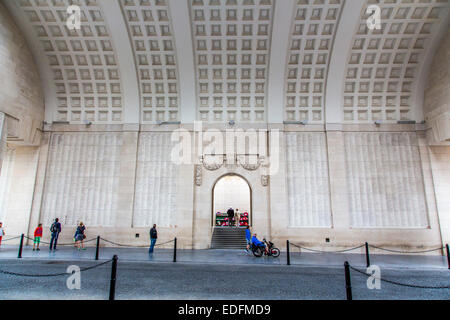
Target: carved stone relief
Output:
[{"x": 198, "y": 175}]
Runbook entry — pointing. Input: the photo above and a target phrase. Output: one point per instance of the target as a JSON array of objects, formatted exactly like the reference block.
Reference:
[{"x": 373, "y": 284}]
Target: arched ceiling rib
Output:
[
  {"x": 127, "y": 66},
  {"x": 383, "y": 64},
  {"x": 185, "y": 53}
]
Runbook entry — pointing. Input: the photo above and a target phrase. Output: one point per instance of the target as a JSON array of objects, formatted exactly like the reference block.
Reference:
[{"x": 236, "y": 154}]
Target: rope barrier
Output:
[
  {"x": 398, "y": 283},
  {"x": 320, "y": 251},
  {"x": 405, "y": 252},
  {"x": 143, "y": 246},
  {"x": 52, "y": 275}
]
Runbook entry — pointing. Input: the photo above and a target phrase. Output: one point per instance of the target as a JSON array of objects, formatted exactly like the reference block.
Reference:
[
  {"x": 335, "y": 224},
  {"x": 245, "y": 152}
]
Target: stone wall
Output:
[
  {"x": 379, "y": 182},
  {"x": 117, "y": 182},
  {"x": 440, "y": 164},
  {"x": 385, "y": 180},
  {"x": 21, "y": 96},
  {"x": 437, "y": 95},
  {"x": 21, "y": 115},
  {"x": 307, "y": 180},
  {"x": 6, "y": 181},
  {"x": 82, "y": 179},
  {"x": 345, "y": 186},
  {"x": 156, "y": 182},
  {"x": 17, "y": 188},
  {"x": 437, "y": 116}
]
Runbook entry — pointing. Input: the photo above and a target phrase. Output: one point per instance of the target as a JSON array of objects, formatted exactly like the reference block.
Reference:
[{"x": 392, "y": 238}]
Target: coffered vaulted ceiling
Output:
[{"x": 252, "y": 61}]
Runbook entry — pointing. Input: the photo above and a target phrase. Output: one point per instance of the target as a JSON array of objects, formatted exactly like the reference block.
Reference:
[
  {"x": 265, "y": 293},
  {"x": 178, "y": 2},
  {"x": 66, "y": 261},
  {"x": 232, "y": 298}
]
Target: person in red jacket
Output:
[
  {"x": 37, "y": 237},
  {"x": 2, "y": 232}
]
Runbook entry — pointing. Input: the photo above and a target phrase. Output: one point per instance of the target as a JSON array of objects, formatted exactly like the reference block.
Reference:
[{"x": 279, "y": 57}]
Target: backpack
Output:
[{"x": 53, "y": 227}]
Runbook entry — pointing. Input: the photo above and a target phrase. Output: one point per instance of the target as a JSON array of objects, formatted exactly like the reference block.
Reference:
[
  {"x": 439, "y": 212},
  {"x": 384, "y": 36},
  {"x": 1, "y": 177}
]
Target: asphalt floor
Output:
[{"x": 217, "y": 274}]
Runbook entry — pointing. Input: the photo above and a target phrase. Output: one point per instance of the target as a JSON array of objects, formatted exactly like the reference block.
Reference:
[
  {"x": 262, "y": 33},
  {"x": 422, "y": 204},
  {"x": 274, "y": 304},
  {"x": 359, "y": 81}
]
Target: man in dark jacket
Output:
[
  {"x": 153, "y": 237},
  {"x": 230, "y": 213},
  {"x": 55, "y": 229}
]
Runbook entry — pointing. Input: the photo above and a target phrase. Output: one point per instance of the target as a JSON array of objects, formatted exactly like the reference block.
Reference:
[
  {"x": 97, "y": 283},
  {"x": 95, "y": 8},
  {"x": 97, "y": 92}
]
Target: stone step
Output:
[{"x": 228, "y": 238}]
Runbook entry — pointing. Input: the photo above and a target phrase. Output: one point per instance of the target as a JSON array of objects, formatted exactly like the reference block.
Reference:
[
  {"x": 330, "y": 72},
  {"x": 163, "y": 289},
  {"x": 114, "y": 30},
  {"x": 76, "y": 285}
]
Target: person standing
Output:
[
  {"x": 2, "y": 233},
  {"x": 237, "y": 217},
  {"x": 55, "y": 229},
  {"x": 248, "y": 237},
  {"x": 37, "y": 237},
  {"x": 80, "y": 236},
  {"x": 153, "y": 238},
  {"x": 230, "y": 213}
]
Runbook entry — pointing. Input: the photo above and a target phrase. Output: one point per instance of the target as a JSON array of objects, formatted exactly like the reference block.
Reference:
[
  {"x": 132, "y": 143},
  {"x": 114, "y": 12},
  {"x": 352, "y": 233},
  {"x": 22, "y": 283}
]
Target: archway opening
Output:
[{"x": 232, "y": 191}]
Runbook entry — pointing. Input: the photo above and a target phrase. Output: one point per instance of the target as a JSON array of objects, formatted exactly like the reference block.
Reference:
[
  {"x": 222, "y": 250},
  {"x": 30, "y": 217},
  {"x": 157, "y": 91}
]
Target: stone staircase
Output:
[{"x": 228, "y": 238}]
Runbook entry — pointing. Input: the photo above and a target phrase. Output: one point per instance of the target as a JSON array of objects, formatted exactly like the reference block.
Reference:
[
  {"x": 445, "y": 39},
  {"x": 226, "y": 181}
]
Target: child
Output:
[
  {"x": 37, "y": 237},
  {"x": 2, "y": 232}
]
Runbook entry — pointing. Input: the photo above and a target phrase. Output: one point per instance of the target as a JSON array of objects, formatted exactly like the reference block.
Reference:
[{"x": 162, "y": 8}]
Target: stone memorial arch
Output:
[{"x": 208, "y": 173}]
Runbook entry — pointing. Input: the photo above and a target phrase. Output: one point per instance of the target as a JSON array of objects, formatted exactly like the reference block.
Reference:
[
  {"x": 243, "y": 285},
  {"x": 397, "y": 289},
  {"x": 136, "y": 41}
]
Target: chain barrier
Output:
[
  {"x": 295, "y": 245},
  {"x": 399, "y": 283},
  {"x": 4, "y": 240},
  {"x": 320, "y": 251},
  {"x": 52, "y": 275},
  {"x": 143, "y": 246},
  {"x": 405, "y": 252},
  {"x": 61, "y": 244},
  {"x": 361, "y": 246},
  {"x": 94, "y": 239}
]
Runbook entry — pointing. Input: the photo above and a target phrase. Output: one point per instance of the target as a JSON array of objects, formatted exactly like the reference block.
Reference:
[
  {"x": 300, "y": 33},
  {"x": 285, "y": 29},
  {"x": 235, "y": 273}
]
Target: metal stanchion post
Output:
[
  {"x": 21, "y": 246},
  {"x": 367, "y": 255},
  {"x": 97, "y": 248},
  {"x": 348, "y": 282},
  {"x": 288, "y": 257},
  {"x": 448, "y": 255},
  {"x": 112, "y": 285},
  {"x": 175, "y": 250}
]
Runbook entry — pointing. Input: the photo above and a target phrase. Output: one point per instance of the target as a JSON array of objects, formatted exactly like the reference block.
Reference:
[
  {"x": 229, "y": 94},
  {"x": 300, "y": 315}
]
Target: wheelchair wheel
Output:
[
  {"x": 258, "y": 252},
  {"x": 275, "y": 252}
]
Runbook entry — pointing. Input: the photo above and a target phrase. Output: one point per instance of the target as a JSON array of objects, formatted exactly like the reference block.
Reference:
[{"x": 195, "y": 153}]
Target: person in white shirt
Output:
[{"x": 237, "y": 217}]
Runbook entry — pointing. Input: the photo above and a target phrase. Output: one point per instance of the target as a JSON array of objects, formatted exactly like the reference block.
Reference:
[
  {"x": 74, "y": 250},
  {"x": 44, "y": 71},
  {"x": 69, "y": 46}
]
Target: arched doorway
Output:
[{"x": 231, "y": 191}]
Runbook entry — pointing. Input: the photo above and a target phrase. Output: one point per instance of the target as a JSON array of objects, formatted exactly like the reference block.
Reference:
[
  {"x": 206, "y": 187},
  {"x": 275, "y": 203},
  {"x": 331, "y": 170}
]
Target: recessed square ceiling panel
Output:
[
  {"x": 232, "y": 51},
  {"x": 311, "y": 41},
  {"x": 150, "y": 28},
  {"x": 383, "y": 63},
  {"x": 81, "y": 60}
]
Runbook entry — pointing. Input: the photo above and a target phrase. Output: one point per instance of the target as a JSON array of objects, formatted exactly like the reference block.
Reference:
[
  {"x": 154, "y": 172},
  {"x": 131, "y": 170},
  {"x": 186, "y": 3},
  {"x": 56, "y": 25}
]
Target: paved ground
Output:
[
  {"x": 217, "y": 274},
  {"x": 143, "y": 280}
]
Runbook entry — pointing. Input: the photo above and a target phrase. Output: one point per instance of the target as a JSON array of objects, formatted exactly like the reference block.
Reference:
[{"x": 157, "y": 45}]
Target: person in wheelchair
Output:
[{"x": 256, "y": 243}]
